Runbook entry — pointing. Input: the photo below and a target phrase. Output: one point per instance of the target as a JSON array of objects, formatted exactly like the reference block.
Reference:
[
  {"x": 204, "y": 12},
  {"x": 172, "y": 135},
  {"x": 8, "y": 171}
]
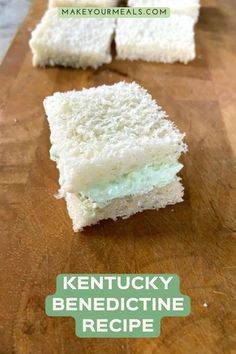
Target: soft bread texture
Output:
[
  {"x": 84, "y": 213},
  {"x": 101, "y": 133},
  {"x": 180, "y": 7},
  {"x": 81, "y": 3},
  {"x": 165, "y": 40},
  {"x": 74, "y": 42}
]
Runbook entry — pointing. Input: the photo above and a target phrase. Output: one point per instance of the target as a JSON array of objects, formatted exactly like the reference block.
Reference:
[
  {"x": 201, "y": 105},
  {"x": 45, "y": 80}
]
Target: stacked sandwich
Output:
[
  {"x": 116, "y": 152},
  {"x": 163, "y": 40}
]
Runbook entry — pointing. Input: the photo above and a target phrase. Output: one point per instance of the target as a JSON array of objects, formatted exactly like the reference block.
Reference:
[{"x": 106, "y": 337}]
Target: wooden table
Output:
[{"x": 194, "y": 241}]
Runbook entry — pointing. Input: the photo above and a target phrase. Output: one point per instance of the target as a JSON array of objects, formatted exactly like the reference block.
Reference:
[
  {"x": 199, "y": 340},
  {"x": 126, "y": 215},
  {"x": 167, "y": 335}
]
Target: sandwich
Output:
[
  {"x": 116, "y": 151},
  {"x": 165, "y": 40},
  {"x": 83, "y": 3},
  {"x": 75, "y": 42},
  {"x": 180, "y": 7}
]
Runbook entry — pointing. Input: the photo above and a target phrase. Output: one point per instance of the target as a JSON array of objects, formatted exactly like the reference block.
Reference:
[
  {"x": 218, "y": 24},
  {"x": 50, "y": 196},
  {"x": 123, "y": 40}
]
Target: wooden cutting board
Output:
[{"x": 193, "y": 239}]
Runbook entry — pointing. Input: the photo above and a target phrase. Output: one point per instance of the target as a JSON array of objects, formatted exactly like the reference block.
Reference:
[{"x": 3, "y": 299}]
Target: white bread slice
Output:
[
  {"x": 84, "y": 213},
  {"x": 74, "y": 42},
  {"x": 180, "y": 7},
  {"x": 100, "y": 133},
  {"x": 83, "y": 3},
  {"x": 164, "y": 40}
]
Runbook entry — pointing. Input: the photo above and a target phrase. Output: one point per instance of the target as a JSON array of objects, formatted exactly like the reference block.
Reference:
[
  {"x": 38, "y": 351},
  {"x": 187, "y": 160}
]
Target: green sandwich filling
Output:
[
  {"x": 133, "y": 183},
  {"x": 136, "y": 182}
]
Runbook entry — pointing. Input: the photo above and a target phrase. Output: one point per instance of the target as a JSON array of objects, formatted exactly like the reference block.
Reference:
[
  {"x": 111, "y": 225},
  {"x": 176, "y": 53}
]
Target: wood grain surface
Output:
[{"x": 194, "y": 239}]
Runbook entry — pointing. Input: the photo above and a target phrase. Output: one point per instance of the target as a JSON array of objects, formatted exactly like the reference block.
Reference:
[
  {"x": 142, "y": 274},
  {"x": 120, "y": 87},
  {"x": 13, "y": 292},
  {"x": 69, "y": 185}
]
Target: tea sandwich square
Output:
[
  {"x": 74, "y": 42},
  {"x": 81, "y": 3},
  {"x": 165, "y": 40},
  {"x": 116, "y": 152}
]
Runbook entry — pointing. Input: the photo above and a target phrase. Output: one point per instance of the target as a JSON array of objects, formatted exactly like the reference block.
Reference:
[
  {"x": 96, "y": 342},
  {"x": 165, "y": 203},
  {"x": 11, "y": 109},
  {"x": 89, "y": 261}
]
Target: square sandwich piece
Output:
[
  {"x": 165, "y": 40},
  {"x": 75, "y": 42},
  {"x": 180, "y": 7},
  {"x": 116, "y": 151},
  {"x": 83, "y": 3}
]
